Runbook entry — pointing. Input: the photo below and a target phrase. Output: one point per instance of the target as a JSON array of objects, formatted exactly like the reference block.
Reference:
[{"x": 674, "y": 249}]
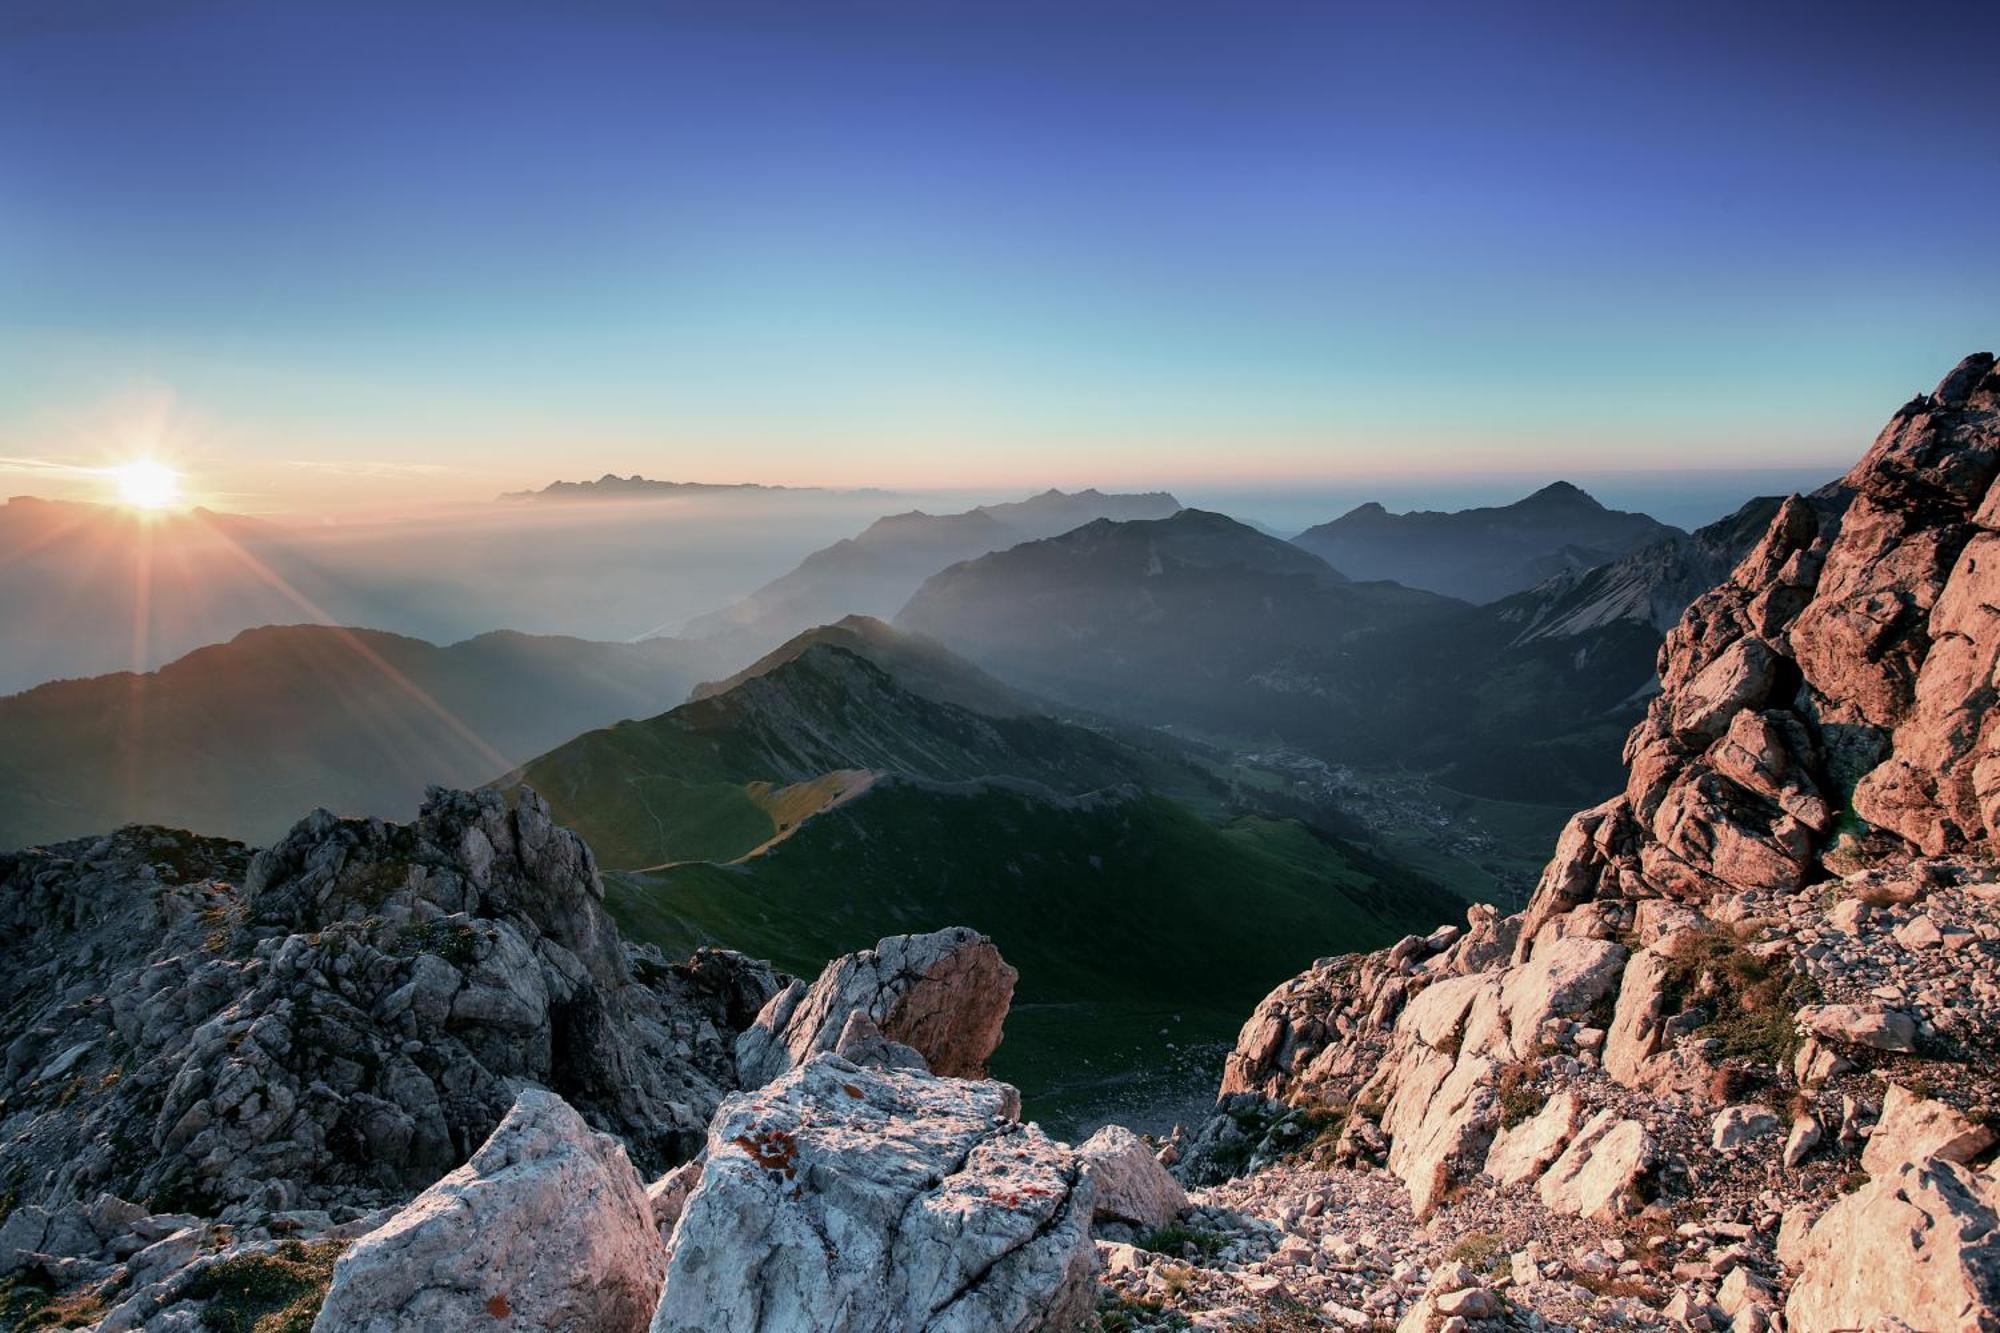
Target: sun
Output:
[{"x": 146, "y": 484}]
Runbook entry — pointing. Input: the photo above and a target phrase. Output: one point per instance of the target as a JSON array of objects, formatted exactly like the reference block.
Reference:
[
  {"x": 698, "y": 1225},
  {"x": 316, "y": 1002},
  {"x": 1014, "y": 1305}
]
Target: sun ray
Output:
[{"x": 500, "y": 763}]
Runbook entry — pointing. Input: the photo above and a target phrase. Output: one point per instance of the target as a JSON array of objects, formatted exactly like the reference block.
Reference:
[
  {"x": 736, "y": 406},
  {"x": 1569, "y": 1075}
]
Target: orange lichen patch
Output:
[
  {"x": 774, "y": 1150},
  {"x": 498, "y": 1307}
]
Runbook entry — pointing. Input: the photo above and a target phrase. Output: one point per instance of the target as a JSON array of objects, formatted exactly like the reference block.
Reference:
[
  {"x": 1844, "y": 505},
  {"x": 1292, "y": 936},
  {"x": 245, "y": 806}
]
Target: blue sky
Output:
[{"x": 457, "y": 246}]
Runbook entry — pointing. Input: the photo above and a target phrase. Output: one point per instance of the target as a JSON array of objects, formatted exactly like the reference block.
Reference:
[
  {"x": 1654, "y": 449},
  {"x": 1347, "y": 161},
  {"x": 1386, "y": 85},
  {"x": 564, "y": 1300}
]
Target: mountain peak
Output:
[
  {"x": 1561, "y": 492},
  {"x": 1482, "y": 554}
]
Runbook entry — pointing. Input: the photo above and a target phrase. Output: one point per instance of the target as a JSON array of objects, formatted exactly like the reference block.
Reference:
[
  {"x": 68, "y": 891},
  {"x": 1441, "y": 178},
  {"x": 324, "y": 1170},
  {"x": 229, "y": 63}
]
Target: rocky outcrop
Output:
[
  {"x": 1730, "y": 974},
  {"x": 944, "y": 995},
  {"x": 546, "y": 1225},
  {"x": 333, "y": 1024},
  {"x": 859, "y": 1200},
  {"x": 1920, "y": 1245}
]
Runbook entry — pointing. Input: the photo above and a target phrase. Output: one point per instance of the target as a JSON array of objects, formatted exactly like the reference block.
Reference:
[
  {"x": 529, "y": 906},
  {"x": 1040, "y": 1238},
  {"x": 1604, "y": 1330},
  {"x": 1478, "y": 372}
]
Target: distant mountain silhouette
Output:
[
  {"x": 153, "y": 586},
  {"x": 874, "y": 573},
  {"x": 1195, "y": 620},
  {"x": 1199, "y": 622},
  {"x": 1481, "y": 555},
  {"x": 238, "y": 738},
  {"x": 611, "y": 486}
]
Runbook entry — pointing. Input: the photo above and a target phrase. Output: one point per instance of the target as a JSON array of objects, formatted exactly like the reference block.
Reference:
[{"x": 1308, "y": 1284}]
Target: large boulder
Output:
[
  {"x": 944, "y": 995},
  {"x": 547, "y": 1225},
  {"x": 1912, "y": 1128},
  {"x": 1129, "y": 1183},
  {"x": 1921, "y": 1245},
  {"x": 847, "y": 1199}
]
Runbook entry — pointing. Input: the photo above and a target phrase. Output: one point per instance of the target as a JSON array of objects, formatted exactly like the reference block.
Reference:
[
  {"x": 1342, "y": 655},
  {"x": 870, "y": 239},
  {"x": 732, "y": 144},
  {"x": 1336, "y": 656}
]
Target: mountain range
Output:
[
  {"x": 875, "y": 572},
  {"x": 1195, "y": 621},
  {"x": 611, "y": 486},
  {"x": 238, "y": 737},
  {"x": 1481, "y": 555},
  {"x": 1199, "y": 622}
]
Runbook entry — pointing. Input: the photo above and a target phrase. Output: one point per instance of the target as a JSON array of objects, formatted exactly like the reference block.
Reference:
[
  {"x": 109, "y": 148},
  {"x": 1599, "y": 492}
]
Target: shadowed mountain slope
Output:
[
  {"x": 1196, "y": 620},
  {"x": 237, "y": 738},
  {"x": 875, "y": 573},
  {"x": 1199, "y": 622}
]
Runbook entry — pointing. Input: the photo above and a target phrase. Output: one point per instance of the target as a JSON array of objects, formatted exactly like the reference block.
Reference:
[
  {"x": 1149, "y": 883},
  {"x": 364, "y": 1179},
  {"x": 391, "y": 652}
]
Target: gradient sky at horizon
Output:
[{"x": 320, "y": 249}]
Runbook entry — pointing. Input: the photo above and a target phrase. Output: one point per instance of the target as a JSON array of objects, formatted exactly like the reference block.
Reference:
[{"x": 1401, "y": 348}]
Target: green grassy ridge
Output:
[
  {"x": 718, "y": 777},
  {"x": 1143, "y": 933},
  {"x": 1123, "y": 896}
]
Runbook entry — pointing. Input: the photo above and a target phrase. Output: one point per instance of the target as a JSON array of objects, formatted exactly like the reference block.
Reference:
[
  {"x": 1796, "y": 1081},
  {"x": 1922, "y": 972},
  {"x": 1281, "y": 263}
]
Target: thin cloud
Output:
[
  {"x": 366, "y": 468},
  {"x": 47, "y": 467}
]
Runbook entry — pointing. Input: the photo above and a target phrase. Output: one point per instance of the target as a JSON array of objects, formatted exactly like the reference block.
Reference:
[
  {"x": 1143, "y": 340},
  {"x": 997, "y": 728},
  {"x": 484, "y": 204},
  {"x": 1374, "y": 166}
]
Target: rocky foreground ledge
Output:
[{"x": 232, "y": 1074}]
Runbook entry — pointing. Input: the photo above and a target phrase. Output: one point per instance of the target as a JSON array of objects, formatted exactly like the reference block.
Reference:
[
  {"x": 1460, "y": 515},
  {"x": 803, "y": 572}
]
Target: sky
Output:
[{"x": 320, "y": 253}]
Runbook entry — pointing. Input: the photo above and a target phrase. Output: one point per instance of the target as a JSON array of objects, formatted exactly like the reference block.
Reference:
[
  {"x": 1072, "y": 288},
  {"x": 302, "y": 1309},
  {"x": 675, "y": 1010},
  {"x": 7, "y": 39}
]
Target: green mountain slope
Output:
[
  {"x": 920, "y": 665},
  {"x": 719, "y": 777},
  {"x": 1122, "y": 910}
]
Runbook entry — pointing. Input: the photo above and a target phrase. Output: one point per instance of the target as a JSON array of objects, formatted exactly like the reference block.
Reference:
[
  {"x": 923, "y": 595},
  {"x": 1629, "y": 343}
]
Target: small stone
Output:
[{"x": 1742, "y": 1124}]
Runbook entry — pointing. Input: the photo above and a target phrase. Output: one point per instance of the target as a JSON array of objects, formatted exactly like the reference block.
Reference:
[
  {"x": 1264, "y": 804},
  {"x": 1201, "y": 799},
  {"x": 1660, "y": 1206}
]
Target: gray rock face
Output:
[
  {"x": 546, "y": 1225},
  {"x": 945, "y": 995},
  {"x": 846, "y": 1199},
  {"x": 340, "y": 1022}
]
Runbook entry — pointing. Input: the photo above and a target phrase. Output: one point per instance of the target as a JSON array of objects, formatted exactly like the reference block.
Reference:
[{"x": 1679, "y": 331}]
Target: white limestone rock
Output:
[
  {"x": 547, "y": 1226},
  {"x": 846, "y": 1199},
  {"x": 944, "y": 994},
  {"x": 1921, "y": 1245}
]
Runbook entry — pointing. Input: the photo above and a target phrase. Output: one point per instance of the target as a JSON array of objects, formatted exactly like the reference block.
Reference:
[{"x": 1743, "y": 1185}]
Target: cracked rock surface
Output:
[
  {"x": 546, "y": 1225},
  {"x": 860, "y": 1200},
  {"x": 944, "y": 995},
  {"x": 339, "y": 1020}
]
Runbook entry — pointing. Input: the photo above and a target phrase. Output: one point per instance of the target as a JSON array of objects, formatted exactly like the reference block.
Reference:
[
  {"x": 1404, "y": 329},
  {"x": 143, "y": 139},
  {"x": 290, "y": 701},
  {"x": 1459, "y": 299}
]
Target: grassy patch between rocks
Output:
[
  {"x": 1175, "y": 1239},
  {"x": 1753, "y": 999},
  {"x": 276, "y": 1292},
  {"x": 1520, "y": 1099},
  {"x": 1481, "y": 1251},
  {"x": 1122, "y": 1314},
  {"x": 25, "y": 1305}
]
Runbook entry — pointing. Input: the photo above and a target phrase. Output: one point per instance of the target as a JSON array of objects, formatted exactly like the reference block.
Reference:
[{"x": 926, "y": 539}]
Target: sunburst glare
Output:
[{"x": 145, "y": 483}]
